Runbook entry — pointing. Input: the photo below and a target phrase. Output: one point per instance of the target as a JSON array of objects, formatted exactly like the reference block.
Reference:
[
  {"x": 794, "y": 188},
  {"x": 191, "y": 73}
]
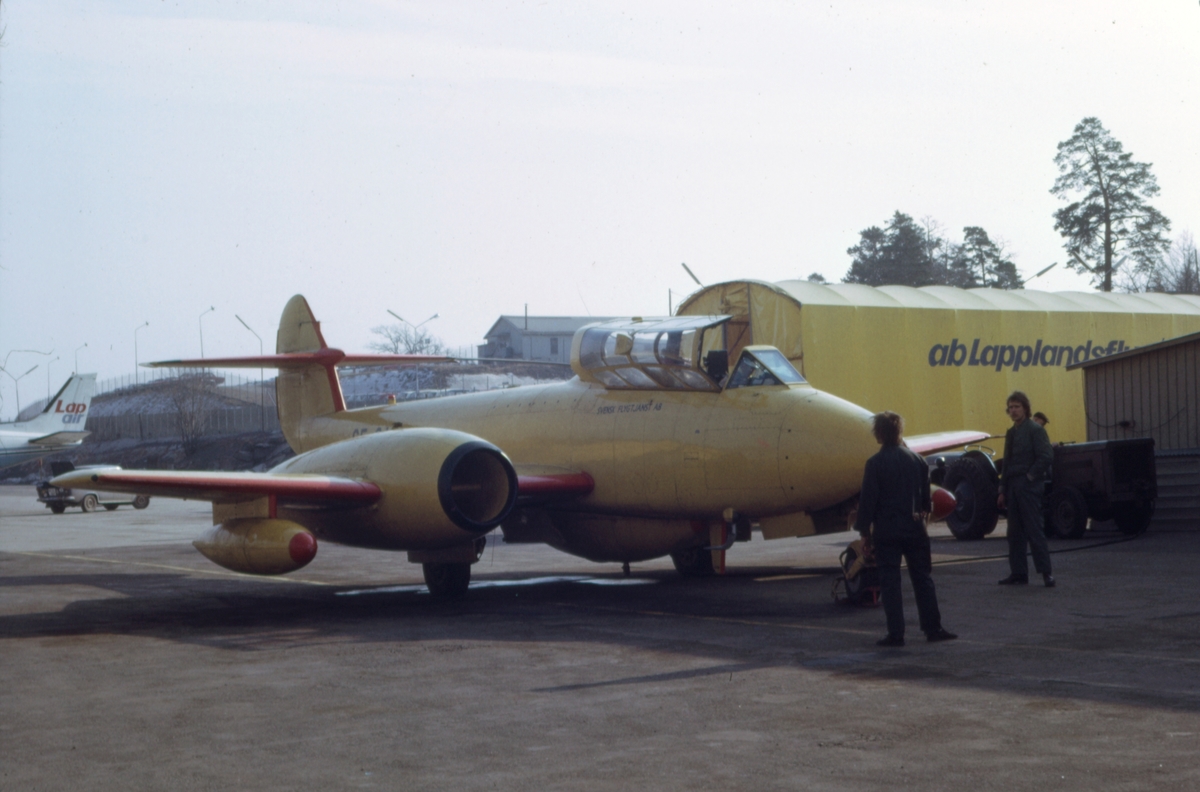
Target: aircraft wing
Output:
[
  {"x": 223, "y": 487},
  {"x": 943, "y": 441},
  {"x": 59, "y": 439},
  {"x": 535, "y": 484}
]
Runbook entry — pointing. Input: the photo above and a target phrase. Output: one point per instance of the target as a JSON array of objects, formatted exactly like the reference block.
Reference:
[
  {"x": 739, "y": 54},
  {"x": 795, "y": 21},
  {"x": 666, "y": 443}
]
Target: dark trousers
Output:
[
  {"x": 1025, "y": 526},
  {"x": 912, "y": 544}
]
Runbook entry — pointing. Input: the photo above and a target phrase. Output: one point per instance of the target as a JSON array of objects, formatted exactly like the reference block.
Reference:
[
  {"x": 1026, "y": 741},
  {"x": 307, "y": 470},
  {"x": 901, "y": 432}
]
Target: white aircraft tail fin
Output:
[{"x": 67, "y": 411}]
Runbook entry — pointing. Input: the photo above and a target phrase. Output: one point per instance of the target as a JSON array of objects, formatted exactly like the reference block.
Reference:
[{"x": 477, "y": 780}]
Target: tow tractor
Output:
[{"x": 1104, "y": 480}]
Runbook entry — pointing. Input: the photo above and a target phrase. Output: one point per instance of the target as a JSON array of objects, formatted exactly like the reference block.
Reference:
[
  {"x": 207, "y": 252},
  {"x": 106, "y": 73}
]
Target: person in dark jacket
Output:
[
  {"x": 1027, "y": 459},
  {"x": 895, "y": 498}
]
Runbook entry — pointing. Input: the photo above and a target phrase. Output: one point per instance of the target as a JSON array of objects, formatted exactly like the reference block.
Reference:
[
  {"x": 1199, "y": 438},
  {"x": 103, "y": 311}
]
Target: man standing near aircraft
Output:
[
  {"x": 895, "y": 497},
  {"x": 1027, "y": 460}
]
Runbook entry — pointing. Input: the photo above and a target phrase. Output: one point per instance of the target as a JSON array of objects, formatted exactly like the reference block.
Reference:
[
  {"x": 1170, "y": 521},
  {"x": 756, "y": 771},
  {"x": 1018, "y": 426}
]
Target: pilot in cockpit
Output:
[{"x": 765, "y": 366}]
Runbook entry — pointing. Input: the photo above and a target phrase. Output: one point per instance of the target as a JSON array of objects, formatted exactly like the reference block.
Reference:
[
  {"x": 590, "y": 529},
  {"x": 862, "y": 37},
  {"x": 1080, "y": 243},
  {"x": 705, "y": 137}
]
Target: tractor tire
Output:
[
  {"x": 1133, "y": 518},
  {"x": 447, "y": 580},
  {"x": 693, "y": 562},
  {"x": 141, "y": 501},
  {"x": 975, "y": 512},
  {"x": 90, "y": 503},
  {"x": 1066, "y": 513}
]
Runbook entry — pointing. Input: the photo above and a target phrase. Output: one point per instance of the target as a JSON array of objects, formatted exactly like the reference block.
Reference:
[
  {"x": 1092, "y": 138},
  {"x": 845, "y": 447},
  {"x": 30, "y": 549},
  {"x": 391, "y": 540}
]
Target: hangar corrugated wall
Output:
[{"x": 1154, "y": 392}]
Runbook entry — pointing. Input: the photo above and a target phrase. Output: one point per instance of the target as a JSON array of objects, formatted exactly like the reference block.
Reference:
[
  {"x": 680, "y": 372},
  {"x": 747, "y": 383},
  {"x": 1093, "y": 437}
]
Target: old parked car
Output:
[{"x": 57, "y": 499}]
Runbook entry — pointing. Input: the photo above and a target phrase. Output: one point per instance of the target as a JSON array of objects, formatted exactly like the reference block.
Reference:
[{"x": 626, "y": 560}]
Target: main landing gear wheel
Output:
[
  {"x": 58, "y": 508},
  {"x": 694, "y": 562},
  {"x": 447, "y": 581},
  {"x": 141, "y": 501},
  {"x": 1066, "y": 513},
  {"x": 975, "y": 512},
  {"x": 110, "y": 507},
  {"x": 90, "y": 503}
]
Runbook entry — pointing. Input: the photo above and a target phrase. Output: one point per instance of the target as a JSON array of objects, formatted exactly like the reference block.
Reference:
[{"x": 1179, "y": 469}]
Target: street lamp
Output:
[
  {"x": 142, "y": 326},
  {"x": 200, "y": 321},
  {"x": 410, "y": 324},
  {"x": 81, "y": 346},
  {"x": 48, "y": 377},
  {"x": 262, "y": 398},
  {"x": 17, "y": 385}
]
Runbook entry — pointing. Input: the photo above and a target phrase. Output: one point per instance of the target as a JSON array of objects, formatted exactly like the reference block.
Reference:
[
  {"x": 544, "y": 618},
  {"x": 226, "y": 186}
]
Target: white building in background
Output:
[{"x": 546, "y": 338}]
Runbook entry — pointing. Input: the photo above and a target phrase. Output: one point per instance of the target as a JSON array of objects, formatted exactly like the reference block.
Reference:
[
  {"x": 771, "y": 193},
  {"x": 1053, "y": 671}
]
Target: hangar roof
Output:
[
  {"x": 1128, "y": 353},
  {"x": 947, "y": 297}
]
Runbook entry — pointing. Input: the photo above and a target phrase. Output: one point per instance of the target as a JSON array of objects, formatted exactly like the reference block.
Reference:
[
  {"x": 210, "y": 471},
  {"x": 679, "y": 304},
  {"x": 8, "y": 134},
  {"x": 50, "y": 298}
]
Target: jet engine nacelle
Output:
[
  {"x": 441, "y": 488},
  {"x": 258, "y": 546}
]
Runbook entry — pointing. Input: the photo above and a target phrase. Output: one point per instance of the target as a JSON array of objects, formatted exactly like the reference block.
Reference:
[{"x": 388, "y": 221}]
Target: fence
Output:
[{"x": 165, "y": 426}]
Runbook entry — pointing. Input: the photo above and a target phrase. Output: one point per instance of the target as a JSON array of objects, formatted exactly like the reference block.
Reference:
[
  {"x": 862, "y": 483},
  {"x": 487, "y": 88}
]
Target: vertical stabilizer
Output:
[
  {"x": 304, "y": 392},
  {"x": 67, "y": 411}
]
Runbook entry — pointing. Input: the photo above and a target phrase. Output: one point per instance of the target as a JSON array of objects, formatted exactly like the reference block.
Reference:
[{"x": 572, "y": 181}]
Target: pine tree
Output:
[
  {"x": 897, "y": 255},
  {"x": 1110, "y": 216}
]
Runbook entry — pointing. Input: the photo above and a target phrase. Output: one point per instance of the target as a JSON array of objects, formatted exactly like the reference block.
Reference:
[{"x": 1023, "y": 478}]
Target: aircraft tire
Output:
[
  {"x": 447, "y": 581},
  {"x": 975, "y": 513},
  {"x": 1133, "y": 518},
  {"x": 110, "y": 507},
  {"x": 90, "y": 503},
  {"x": 141, "y": 501},
  {"x": 1066, "y": 513},
  {"x": 58, "y": 508},
  {"x": 693, "y": 562}
]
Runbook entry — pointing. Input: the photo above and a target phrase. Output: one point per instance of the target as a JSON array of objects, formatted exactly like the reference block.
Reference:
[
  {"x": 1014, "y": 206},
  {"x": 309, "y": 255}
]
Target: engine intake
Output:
[
  {"x": 477, "y": 486},
  {"x": 440, "y": 488}
]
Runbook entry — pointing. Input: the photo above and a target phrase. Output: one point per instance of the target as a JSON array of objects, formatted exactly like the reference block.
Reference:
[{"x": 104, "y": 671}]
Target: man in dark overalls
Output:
[
  {"x": 895, "y": 497},
  {"x": 1027, "y": 460}
]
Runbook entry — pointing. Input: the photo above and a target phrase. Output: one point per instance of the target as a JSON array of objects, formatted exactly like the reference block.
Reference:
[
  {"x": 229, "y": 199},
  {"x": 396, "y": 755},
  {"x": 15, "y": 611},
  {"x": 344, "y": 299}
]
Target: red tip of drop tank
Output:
[{"x": 302, "y": 548}]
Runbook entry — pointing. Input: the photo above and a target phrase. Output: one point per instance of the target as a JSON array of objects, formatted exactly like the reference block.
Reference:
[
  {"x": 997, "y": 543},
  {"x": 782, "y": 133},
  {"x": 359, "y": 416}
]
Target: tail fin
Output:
[
  {"x": 308, "y": 385},
  {"x": 307, "y": 391},
  {"x": 67, "y": 411}
]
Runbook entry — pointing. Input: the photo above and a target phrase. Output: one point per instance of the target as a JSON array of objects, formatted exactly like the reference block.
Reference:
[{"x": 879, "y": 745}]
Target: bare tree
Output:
[
  {"x": 190, "y": 394},
  {"x": 1178, "y": 272},
  {"x": 398, "y": 339}
]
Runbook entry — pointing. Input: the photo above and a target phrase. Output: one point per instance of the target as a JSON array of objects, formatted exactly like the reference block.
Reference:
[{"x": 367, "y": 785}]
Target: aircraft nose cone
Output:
[{"x": 826, "y": 442}]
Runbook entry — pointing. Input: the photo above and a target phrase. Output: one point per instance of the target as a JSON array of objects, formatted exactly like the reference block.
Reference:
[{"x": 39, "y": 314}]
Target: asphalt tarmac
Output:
[{"x": 130, "y": 662}]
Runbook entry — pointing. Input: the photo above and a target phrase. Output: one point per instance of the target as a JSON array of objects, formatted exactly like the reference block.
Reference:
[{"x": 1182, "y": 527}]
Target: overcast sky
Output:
[{"x": 159, "y": 158}]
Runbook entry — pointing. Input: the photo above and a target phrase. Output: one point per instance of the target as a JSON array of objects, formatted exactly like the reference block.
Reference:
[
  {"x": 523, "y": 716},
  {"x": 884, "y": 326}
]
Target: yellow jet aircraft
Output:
[{"x": 656, "y": 447}]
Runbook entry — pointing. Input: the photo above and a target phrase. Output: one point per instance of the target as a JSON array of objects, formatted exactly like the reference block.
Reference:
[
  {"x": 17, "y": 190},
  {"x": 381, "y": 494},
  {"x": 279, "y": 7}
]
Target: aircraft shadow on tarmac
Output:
[{"x": 1032, "y": 641}]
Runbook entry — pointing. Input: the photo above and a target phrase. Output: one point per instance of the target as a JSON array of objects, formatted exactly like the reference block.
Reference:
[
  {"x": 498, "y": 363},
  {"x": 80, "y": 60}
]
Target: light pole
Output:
[
  {"x": 416, "y": 336},
  {"x": 17, "y": 385},
  {"x": 143, "y": 325},
  {"x": 262, "y": 399},
  {"x": 48, "y": 377},
  {"x": 200, "y": 321},
  {"x": 81, "y": 346},
  {"x": 410, "y": 324}
]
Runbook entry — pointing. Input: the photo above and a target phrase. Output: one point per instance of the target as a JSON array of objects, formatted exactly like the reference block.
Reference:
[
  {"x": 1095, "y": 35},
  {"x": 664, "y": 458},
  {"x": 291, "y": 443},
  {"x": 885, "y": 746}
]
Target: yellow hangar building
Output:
[{"x": 946, "y": 358}]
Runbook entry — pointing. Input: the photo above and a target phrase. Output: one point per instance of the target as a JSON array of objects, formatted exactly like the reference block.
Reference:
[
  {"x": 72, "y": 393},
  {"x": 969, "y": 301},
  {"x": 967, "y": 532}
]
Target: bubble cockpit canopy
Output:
[{"x": 672, "y": 353}]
